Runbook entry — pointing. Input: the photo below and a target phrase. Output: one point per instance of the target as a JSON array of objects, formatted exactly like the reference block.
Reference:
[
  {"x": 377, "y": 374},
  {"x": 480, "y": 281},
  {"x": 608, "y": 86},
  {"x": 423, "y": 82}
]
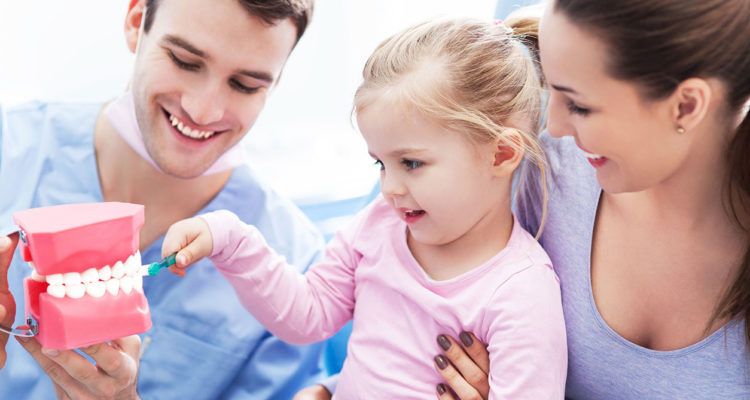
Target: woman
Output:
[
  {"x": 648, "y": 214},
  {"x": 651, "y": 244}
]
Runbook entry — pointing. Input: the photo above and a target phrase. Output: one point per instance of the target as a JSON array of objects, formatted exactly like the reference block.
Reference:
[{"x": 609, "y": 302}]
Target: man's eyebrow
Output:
[
  {"x": 179, "y": 42},
  {"x": 182, "y": 43},
  {"x": 263, "y": 76}
]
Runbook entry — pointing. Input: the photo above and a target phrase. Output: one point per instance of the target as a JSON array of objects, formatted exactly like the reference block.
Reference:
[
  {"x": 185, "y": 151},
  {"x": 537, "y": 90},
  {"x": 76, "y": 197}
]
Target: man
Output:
[{"x": 202, "y": 74}]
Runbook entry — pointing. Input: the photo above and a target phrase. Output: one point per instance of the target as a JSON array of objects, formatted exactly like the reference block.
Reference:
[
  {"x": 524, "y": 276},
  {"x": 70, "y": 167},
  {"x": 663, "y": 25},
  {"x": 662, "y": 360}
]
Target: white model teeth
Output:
[
  {"x": 126, "y": 284},
  {"x": 96, "y": 289},
  {"x": 592, "y": 155},
  {"x": 105, "y": 273},
  {"x": 75, "y": 291},
  {"x": 35, "y": 276},
  {"x": 187, "y": 131},
  {"x": 118, "y": 270},
  {"x": 55, "y": 279},
  {"x": 113, "y": 286},
  {"x": 138, "y": 282},
  {"x": 72, "y": 278},
  {"x": 123, "y": 276},
  {"x": 90, "y": 275},
  {"x": 56, "y": 290}
]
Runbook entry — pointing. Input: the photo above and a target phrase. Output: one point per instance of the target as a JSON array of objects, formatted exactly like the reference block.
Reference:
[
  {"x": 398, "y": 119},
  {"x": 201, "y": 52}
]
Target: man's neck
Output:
[{"x": 126, "y": 177}]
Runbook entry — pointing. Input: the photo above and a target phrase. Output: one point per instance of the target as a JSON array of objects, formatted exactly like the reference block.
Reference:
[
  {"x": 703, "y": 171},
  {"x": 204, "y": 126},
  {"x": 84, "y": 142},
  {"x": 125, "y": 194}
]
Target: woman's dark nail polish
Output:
[
  {"x": 444, "y": 343},
  {"x": 441, "y": 389},
  {"x": 441, "y": 362},
  {"x": 466, "y": 339}
]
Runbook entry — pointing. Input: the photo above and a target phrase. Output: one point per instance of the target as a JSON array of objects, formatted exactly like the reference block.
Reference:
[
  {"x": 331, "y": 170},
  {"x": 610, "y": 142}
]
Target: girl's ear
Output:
[
  {"x": 690, "y": 104},
  {"x": 133, "y": 21},
  {"x": 509, "y": 152}
]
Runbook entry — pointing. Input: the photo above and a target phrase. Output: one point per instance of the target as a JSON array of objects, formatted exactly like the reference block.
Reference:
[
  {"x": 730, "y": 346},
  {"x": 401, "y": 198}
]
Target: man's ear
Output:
[
  {"x": 690, "y": 104},
  {"x": 509, "y": 152},
  {"x": 133, "y": 21}
]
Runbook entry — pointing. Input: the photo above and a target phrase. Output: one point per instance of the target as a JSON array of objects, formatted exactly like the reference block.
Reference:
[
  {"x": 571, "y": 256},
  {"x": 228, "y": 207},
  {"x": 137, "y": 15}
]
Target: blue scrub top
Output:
[{"x": 203, "y": 344}]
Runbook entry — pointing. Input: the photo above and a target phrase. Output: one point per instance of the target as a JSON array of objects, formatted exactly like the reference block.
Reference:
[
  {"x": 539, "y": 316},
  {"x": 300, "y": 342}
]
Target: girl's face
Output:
[
  {"x": 630, "y": 141},
  {"x": 438, "y": 181}
]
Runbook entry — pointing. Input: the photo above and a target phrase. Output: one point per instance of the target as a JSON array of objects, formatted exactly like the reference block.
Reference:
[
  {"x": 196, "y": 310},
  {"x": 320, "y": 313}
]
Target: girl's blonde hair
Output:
[{"x": 470, "y": 76}]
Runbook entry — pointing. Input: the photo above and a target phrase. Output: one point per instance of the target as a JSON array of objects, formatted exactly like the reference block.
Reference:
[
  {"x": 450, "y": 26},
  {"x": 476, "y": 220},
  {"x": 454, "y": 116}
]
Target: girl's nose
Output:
[{"x": 391, "y": 185}]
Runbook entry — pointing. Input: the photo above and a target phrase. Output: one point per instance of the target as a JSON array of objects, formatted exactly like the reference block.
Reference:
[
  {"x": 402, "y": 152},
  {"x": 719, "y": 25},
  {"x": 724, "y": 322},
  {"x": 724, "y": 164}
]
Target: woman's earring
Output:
[{"x": 680, "y": 130}]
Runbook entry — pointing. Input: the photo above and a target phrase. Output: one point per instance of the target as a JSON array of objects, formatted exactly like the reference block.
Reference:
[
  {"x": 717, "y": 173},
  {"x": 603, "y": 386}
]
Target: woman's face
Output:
[{"x": 632, "y": 142}]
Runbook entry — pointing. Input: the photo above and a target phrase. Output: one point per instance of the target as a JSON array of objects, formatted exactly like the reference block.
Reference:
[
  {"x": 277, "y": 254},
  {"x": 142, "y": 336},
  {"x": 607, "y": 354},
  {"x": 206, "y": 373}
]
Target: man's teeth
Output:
[
  {"x": 187, "y": 131},
  {"x": 96, "y": 282},
  {"x": 592, "y": 155}
]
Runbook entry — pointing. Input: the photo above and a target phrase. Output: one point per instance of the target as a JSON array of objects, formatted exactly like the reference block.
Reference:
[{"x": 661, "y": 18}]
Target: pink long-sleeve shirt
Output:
[{"x": 511, "y": 303}]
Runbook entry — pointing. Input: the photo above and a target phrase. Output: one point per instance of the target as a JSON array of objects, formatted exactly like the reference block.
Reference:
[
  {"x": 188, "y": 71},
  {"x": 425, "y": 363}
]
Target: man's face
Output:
[{"x": 202, "y": 75}]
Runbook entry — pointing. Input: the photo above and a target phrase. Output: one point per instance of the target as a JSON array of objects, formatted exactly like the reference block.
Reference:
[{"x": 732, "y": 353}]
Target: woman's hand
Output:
[
  {"x": 465, "y": 366},
  {"x": 7, "y": 303},
  {"x": 317, "y": 392},
  {"x": 114, "y": 376}
]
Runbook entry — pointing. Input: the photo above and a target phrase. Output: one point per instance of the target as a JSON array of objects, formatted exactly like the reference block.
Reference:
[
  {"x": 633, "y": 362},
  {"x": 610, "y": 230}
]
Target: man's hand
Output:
[
  {"x": 114, "y": 375},
  {"x": 7, "y": 303},
  {"x": 317, "y": 392},
  {"x": 190, "y": 239}
]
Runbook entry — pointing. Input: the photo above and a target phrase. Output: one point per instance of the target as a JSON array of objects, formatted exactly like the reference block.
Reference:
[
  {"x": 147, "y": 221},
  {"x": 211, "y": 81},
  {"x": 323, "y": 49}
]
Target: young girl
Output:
[{"x": 448, "y": 110}]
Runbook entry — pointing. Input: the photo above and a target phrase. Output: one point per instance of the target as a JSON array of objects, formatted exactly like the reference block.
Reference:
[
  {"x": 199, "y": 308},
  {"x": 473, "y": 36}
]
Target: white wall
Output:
[{"x": 304, "y": 142}]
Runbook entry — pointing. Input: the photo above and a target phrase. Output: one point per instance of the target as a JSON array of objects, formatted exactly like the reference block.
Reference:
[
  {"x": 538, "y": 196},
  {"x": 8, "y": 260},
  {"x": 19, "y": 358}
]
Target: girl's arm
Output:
[{"x": 298, "y": 309}]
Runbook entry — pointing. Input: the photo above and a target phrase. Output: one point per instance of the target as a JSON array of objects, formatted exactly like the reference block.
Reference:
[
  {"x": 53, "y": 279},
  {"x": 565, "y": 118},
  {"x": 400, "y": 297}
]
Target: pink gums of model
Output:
[{"x": 86, "y": 287}]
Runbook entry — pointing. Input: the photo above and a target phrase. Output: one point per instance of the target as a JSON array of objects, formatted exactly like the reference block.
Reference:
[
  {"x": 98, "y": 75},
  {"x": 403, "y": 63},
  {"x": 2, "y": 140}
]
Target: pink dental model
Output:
[{"x": 86, "y": 286}]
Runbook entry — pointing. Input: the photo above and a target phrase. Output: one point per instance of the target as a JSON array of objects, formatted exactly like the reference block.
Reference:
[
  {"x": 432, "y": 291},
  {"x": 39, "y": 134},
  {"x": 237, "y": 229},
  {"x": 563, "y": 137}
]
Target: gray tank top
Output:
[{"x": 602, "y": 364}]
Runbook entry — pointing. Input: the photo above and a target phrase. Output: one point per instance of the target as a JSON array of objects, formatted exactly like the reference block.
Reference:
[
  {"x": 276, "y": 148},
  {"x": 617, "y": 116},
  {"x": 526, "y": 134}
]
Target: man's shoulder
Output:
[{"x": 37, "y": 118}]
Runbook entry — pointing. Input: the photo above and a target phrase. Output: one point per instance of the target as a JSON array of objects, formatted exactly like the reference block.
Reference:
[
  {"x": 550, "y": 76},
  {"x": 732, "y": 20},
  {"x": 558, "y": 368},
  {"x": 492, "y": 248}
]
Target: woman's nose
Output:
[{"x": 558, "y": 117}]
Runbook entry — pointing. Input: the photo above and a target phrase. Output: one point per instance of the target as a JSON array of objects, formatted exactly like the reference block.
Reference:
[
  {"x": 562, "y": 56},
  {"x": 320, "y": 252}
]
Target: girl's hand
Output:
[
  {"x": 191, "y": 239},
  {"x": 465, "y": 366}
]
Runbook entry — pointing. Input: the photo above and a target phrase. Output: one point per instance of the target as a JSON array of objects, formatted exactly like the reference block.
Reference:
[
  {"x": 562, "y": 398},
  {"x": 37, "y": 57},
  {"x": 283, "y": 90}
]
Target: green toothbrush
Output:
[{"x": 154, "y": 268}]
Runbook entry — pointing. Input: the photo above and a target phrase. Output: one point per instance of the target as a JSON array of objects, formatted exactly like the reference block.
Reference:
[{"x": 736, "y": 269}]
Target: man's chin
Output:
[{"x": 183, "y": 171}]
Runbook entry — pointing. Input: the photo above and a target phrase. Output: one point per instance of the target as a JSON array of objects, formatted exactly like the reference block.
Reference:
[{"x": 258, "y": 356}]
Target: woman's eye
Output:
[
  {"x": 411, "y": 164},
  {"x": 576, "y": 109},
  {"x": 182, "y": 64},
  {"x": 380, "y": 165}
]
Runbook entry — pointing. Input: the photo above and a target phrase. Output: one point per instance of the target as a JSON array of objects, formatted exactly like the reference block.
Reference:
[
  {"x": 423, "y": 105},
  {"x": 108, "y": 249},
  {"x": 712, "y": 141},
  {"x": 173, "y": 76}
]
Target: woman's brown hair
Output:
[{"x": 659, "y": 44}]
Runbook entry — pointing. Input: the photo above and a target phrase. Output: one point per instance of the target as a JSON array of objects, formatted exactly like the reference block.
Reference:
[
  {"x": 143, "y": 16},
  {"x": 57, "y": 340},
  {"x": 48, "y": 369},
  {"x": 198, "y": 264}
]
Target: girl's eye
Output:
[
  {"x": 380, "y": 165},
  {"x": 182, "y": 64},
  {"x": 574, "y": 108},
  {"x": 411, "y": 164}
]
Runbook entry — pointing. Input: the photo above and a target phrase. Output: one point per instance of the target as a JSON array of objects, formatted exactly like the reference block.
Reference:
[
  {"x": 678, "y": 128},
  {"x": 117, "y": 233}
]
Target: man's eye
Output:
[
  {"x": 182, "y": 64},
  {"x": 236, "y": 85}
]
